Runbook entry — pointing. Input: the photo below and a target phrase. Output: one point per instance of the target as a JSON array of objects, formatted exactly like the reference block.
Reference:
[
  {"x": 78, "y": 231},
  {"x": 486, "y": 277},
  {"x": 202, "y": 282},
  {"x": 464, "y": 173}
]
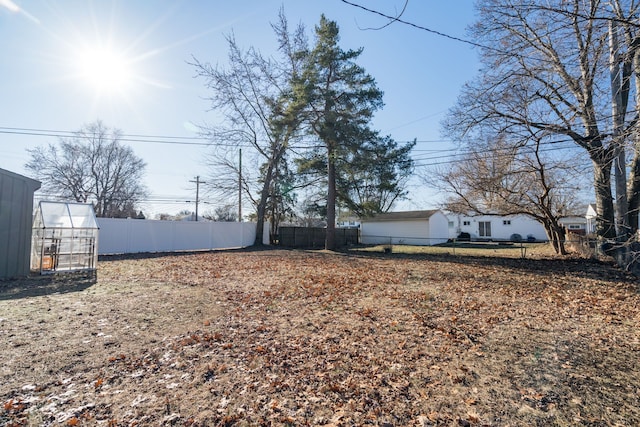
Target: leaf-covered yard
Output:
[{"x": 281, "y": 337}]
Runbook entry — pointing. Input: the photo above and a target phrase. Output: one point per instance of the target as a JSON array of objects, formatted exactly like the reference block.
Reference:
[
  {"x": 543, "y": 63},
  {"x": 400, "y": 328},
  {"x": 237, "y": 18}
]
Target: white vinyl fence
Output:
[{"x": 125, "y": 236}]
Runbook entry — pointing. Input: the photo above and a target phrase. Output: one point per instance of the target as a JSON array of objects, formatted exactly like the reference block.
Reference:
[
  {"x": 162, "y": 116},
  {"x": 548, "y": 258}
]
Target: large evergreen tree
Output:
[
  {"x": 340, "y": 98},
  {"x": 371, "y": 172}
]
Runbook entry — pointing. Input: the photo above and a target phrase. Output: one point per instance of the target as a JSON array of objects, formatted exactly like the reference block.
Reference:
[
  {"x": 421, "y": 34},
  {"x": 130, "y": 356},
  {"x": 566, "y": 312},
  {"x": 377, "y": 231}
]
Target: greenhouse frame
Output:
[{"x": 65, "y": 238}]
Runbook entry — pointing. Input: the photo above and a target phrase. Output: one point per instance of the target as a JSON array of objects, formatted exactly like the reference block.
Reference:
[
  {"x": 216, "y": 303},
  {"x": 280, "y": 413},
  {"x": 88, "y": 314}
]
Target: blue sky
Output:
[{"x": 45, "y": 87}]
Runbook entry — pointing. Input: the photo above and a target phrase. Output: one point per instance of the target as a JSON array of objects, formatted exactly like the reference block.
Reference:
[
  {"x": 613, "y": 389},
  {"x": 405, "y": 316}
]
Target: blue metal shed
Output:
[{"x": 16, "y": 216}]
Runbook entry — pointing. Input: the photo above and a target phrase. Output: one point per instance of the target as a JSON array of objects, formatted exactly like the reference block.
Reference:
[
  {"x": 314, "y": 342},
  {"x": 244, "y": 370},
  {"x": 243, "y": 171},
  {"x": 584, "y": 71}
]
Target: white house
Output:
[
  {"x": 496, "y": 227},
  {"x": 575, "y": 224},
  {"x": 590, "y": 216},
  {"x": 428, "y": 227}
]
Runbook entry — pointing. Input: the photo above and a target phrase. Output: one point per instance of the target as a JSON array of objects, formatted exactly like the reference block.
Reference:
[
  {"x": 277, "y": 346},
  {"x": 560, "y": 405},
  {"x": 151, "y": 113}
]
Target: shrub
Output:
[{"x": 465, "y": 237}]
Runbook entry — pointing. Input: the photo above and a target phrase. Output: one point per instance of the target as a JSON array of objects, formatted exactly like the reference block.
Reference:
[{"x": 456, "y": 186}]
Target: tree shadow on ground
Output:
[
  {"x": 152, "y": 255},
  {"x": 39, "y": 285},
  {"x": 587, "y": 268}
]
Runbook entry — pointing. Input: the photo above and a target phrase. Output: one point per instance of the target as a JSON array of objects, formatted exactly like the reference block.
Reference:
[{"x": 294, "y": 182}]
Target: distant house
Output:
[
  {"x": 590, "y": 216},
  {"x": 575, "y": 224},
  {"x": 427, "y": 227},
  {"x": 496, "y": 227},
  {"x": 348, "y": 222}
]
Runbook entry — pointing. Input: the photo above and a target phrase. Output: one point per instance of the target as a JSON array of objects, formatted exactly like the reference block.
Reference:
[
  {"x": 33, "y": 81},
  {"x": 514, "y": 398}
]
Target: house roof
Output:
[{"x": 401, "y": 216}]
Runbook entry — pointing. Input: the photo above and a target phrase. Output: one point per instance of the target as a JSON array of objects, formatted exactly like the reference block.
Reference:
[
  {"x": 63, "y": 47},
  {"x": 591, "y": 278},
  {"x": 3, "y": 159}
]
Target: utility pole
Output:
[
  {"x": 240, "y": 188},
  {"x": 197, "y": 182}
]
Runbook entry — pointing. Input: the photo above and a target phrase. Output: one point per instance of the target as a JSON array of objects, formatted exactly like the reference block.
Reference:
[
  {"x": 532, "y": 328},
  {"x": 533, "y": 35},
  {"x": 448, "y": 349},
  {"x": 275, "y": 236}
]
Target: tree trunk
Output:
[
  {"x": 261, "y": 209},
  {"x": 633, "y": 192},
  {"x": 605, "y": 219},
  {"x": 260, "y": 214},
  {"x": 619, "y": 101},
  {"x": 556, "y": 235},
  {"x": 265, "y": 193},
  {"x": 560, "y": 237},
  {"x": 633, "y": 196},
  {"x": 622, "y": 204},
  {"x": 330, "y": 242}
]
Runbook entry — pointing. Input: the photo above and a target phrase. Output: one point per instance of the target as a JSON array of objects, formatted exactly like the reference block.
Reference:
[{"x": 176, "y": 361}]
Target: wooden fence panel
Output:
[{"x": 314, "y": 237}]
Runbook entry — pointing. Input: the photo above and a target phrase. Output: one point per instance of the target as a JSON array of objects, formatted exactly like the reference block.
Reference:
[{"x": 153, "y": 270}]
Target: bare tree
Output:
[
  {"x": 225, "y": 213},
  {"x": 550, "y": 66},
  {"x": 253, "y": 94},
  {"x": 92, "y": 167},
  {"x": 501, "y": 177}
]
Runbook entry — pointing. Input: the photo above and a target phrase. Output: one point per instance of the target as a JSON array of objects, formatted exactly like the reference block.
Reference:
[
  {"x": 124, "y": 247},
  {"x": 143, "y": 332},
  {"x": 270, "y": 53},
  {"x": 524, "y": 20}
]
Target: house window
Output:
[
  {"x": 506, "y": 222},
  {"x": 574, "y": 227},
  {"x": 485, "y": 228},
  {"x": 466, "y": 222}
]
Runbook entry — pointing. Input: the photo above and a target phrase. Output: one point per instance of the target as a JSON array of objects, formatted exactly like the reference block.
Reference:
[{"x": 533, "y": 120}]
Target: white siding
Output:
[
  {"x": 591, "y": 216},
  {"x": 502, "y": 227},
  {"x": 576, "y": 224},
  {"x": 438, "y": 228},
  {"x": 413, "y": 232},
  {"x": 118, "y": 236},
  {"x": 406, "y": 232}
]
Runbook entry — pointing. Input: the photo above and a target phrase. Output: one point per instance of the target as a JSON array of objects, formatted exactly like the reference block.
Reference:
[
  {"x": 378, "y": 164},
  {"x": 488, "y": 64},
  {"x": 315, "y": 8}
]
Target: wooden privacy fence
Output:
[{"x": 314, "y": 237}]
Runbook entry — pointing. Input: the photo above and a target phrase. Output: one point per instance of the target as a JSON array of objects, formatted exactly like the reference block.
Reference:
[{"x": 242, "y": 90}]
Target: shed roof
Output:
[
  {"x": 402, "y": 216},
  {"x": 65, "y": 215},
  {"x": 34, "y": 184}
]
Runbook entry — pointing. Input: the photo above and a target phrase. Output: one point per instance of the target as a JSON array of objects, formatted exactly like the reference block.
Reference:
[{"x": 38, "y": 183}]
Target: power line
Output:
[
  {"x": 458, "y": 156},
  {"x": 160, "y": 200},
  {"x": 201, "y": 140},
  {"x": 74, "y": 133},
  {"x": 152, "y": 139},
  {"x": 125, "y": 138},
  {"x": 420, "y": 27},
  {"x": 512, "y": 53},
  {"x": 160, "y": 139},
  {"x": 445, "y": 35},
  {"x": 440, "y": 153}
]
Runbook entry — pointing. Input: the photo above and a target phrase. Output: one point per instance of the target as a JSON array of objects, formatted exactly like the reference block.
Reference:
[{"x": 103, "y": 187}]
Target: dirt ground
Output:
[{"x": 295, "y": 338}]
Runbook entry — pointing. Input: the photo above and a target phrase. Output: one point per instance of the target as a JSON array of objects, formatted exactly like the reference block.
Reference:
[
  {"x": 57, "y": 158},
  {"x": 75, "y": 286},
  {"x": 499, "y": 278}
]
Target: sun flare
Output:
[{"x": 104, "y": 70}]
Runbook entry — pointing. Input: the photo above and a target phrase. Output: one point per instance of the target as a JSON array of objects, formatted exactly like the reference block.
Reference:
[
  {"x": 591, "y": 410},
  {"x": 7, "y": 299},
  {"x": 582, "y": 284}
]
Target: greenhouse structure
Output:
[{"x": 65, "y": 238}]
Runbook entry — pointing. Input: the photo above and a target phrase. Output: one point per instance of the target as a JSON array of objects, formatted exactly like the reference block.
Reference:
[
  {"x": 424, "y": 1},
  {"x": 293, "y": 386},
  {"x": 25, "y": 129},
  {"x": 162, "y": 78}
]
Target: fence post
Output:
[
  {"x": 523, "y": 250},
  {"x": 388, "y": 248}
]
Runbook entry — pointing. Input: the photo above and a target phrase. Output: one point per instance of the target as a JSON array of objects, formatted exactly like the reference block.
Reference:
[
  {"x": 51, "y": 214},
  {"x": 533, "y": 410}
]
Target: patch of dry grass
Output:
[
  {"x": 473, "y": 249},
  {"x": 318, "y": 338}
]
